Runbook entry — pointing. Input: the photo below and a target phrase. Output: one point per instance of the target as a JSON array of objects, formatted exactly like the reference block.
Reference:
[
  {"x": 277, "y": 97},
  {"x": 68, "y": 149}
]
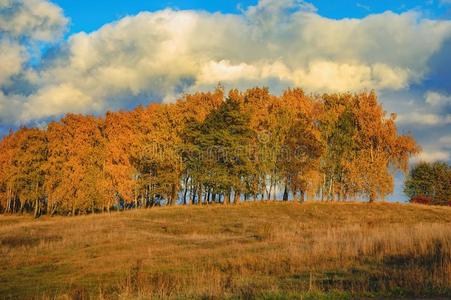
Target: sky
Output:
[{"x": 93, "y": 56}]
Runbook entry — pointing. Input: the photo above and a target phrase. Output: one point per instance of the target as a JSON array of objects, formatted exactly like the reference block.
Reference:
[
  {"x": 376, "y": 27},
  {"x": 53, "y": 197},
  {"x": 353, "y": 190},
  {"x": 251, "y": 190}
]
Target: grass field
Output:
[{"x": 270, "y": 251}]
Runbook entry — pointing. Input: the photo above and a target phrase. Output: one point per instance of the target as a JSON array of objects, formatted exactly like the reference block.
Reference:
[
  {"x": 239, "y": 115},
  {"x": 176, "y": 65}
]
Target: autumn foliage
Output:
[{"x": 206, "y": 148}]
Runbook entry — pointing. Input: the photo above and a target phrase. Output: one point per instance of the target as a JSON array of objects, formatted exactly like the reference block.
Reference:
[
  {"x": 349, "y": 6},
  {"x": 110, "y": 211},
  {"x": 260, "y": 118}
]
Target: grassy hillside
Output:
[{"x": 277, "y": 250}]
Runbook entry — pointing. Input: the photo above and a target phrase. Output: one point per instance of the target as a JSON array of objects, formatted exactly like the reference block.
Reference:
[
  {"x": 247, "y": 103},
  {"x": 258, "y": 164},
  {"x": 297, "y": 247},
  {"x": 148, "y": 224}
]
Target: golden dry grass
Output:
[{"x": 271, "y": 251}]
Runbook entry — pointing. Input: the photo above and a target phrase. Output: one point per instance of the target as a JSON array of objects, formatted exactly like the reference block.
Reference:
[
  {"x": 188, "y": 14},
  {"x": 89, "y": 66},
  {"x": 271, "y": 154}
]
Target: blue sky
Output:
[
  {"x": 87, "y": 15},
  {"x": 93, "y": 56}
]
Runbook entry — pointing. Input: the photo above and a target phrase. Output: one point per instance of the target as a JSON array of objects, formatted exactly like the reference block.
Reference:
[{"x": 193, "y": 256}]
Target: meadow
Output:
[{"x": 272, "y": 250}]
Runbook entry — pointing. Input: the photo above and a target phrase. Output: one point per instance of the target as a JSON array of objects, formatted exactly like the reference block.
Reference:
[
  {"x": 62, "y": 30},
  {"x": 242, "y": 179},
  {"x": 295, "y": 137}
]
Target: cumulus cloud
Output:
[
  {"x": 424, "y": 119},
  {"x": 437, "y": 99},
  {"x": 431, "y": 156},
  {"x": 12, "y": 56},
  {"x": 162, "y": 54},
  {"x": 24, "y": 25},
  {"x": 34, "y": 19},
  {"x": 445, "y": 141},
  {"x": 440, "y": 150}
]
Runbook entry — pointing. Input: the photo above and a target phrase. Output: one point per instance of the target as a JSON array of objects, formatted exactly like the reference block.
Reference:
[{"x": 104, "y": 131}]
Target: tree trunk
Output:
[
  {"x": 193, "y": 195},
  {"x": 372, "y": 197},
  {"x": 270, "y": 189},
  {"x": 186, "y": 190},
  {"x": 285, "y": 193},
  {"x": 330, "y": 196},
  {"x": 36, "y": 208},
  {"x": 206, "y": 196},
  {"x": 136, "y": 200},
  {"x": 226, "y": 198},
  {"x": 302, "y": 196},
  {"x": 236, "y": 197},
  {"x": 199, "y": 195}
]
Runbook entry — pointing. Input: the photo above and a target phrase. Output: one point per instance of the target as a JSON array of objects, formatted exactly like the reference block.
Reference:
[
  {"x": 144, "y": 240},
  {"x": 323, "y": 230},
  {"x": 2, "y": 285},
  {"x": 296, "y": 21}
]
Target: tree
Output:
[
  {"x": 76, "y": 166},
  {"x": 8, "y": 150},
  {"x": 364, "y": 149},
  {"x": 22, "y": 177},
  {"x": 219, "y": 159},
  {"x": 120, "y": 133},
  {"x": 430, "y": 180},
  {"x": 156, "y": 156},
  {"x": 302, "y": 141}
]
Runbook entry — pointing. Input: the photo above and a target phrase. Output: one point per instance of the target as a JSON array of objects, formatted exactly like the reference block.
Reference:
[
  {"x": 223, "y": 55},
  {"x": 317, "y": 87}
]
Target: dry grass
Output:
[{"x": 271, "y": 251}]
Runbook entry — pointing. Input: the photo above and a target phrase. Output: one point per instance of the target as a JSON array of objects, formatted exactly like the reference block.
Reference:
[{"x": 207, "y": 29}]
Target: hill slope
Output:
[{"x": 257, "y": 250}]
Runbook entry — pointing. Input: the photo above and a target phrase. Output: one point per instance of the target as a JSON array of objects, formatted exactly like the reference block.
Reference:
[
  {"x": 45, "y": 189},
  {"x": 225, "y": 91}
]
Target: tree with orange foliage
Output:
[
  {"x": 381, "y": 152},
  {"x": 120, "y": 132},
  {"x": 363, "y": 147},
  {"x": 76, "y": 166},
  {"x": 23, "y": 157}
]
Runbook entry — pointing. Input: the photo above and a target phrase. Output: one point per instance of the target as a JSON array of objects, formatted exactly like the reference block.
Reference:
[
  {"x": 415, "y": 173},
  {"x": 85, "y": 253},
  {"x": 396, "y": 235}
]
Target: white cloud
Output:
[
  {"x": 437, "y": 99},
  {"x": 431, "y": 156},
  {"x": 423, "y": 119},
  {"x": 12, "y": 56},
  {"x": 34, "y": 19},
  {"x": 445, "y": 141},
  {"x": 55, "y": 100},
  {"x": 24, "y": 24},
  {"x": 275, "y": 43}
]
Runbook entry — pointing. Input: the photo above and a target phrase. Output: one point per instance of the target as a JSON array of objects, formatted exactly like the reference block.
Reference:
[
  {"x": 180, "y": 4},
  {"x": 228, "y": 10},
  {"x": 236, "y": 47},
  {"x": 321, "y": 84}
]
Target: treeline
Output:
[{"x": 206, "y": 148}]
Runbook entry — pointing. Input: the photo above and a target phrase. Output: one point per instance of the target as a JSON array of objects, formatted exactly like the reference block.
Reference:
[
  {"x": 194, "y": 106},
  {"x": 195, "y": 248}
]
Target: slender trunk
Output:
[
  {"x": 372, "y": 197},
  {"x": 186, "y": 190},
  {"x": 8, "y": 205},
  {"x": 199, "y": 196},
  {"x": 22, "y": 207},
  {"x": 270, "y": 189},
  {"x": 236, "y": 197},
  {"x": 226, "y": 198},
  {"x": 8, "y": 201},
  {"x": 206, "y": 196},
  {"x": 193, "y": 195},
  {"x": 330, "y": 189},
  {"x": 36, "y": 208},
  {"x": 302, "y": 196},
  {"x": 136, "y": 199},
  {"x": 54, "y": 209},
  {"x": 285, "y": 193},
  {"x": 14, "y": 204},
  {"x": 173, "y": 194}
]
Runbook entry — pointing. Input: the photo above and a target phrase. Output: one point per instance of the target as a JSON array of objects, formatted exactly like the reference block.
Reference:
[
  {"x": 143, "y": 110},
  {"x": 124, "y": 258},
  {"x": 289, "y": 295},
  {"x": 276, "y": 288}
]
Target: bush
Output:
[{"x": 421, "y": 200}]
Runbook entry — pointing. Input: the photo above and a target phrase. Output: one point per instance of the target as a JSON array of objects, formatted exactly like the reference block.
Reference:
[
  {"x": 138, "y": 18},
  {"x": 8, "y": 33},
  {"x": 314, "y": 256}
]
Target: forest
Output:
[{"x": 206, "y": 147}]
